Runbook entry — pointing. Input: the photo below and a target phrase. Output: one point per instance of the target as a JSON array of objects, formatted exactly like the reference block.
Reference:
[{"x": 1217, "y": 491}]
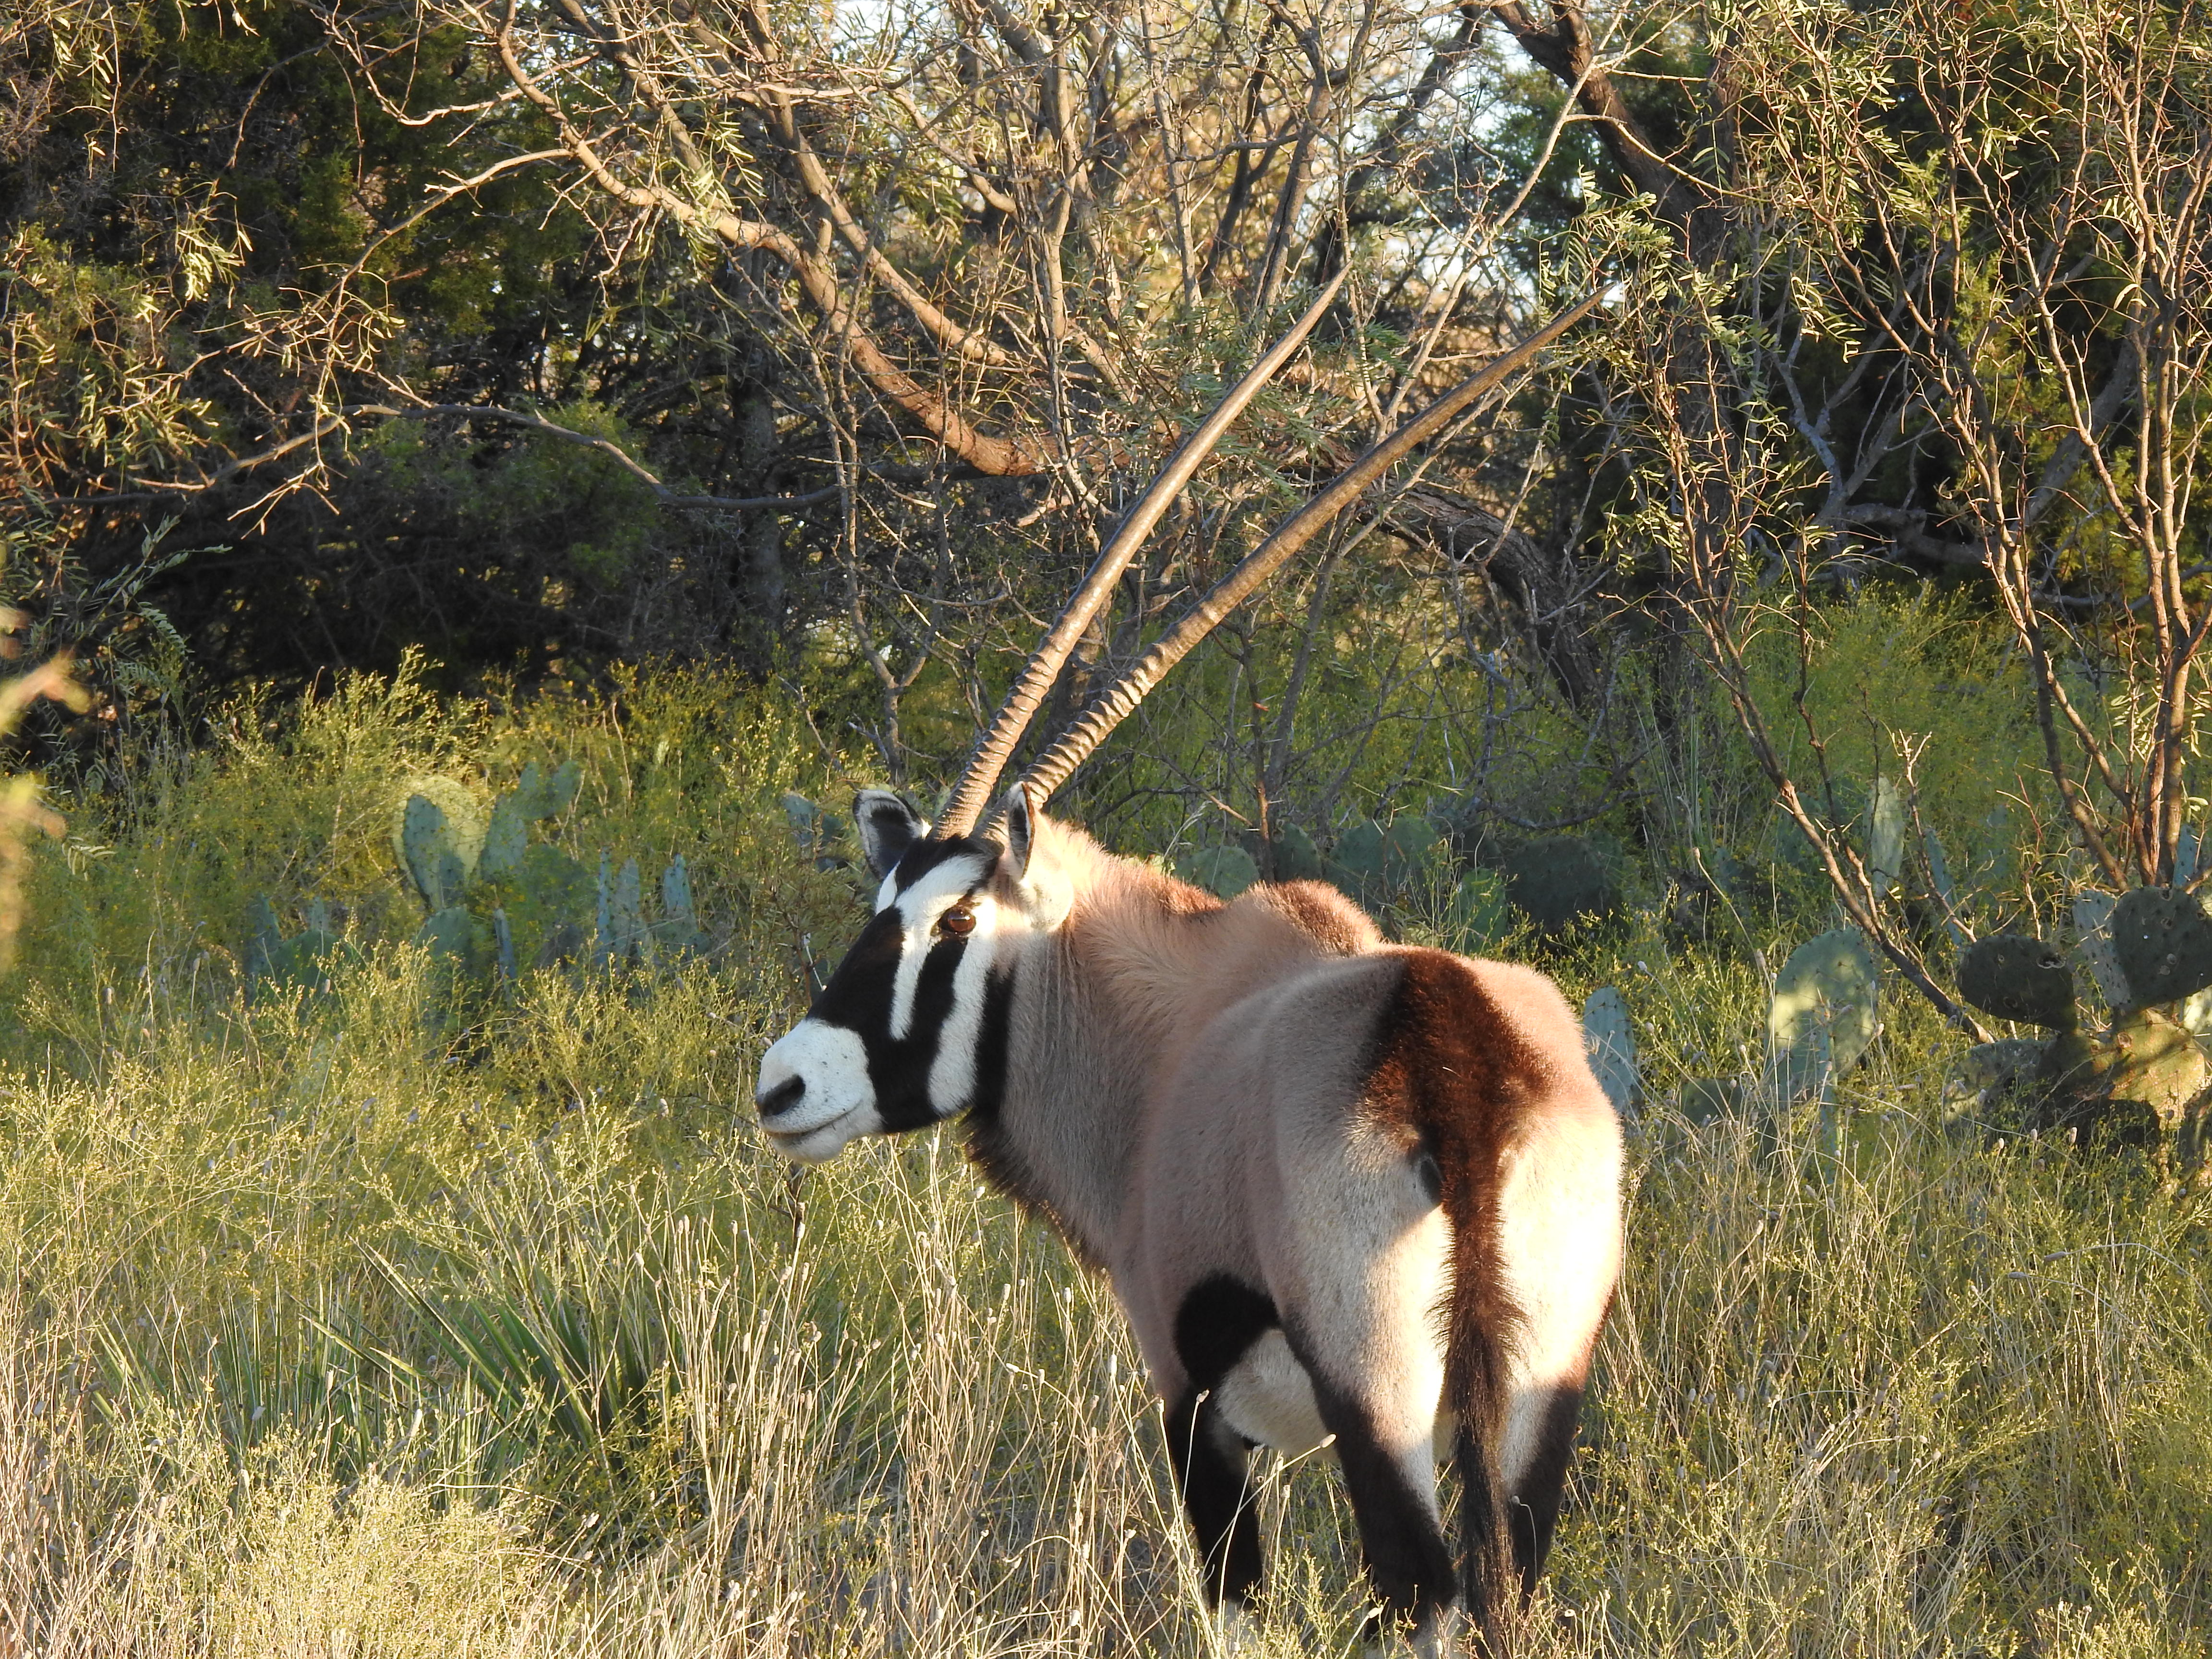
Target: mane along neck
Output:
[{"x": 1102, "y": 1010}]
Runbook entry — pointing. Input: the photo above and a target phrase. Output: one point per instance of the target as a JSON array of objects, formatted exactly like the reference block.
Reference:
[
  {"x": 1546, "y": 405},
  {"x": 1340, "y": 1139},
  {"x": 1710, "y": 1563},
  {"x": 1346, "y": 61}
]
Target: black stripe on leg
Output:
[
  {"x": 1532, "y": 1508},
  {"x": 1408, "y": 1562},
  {"x": 1218, "y": 1321},
  {"x": 1212, "y": 1472}
]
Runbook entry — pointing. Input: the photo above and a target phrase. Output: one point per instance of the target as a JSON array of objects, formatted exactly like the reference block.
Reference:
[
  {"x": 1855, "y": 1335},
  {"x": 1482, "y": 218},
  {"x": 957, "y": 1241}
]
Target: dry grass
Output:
[{"x": 322, "y": 1335}]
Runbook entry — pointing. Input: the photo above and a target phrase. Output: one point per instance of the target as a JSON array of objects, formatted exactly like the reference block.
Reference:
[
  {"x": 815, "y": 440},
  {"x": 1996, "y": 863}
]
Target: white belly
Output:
[{"x": 1267, "y": 1397}]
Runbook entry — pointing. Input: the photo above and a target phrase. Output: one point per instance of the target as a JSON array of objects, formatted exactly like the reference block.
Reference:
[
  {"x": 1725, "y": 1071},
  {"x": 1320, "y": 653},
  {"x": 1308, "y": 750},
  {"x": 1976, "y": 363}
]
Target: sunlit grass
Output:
[{"x": 326, "y": 1328}]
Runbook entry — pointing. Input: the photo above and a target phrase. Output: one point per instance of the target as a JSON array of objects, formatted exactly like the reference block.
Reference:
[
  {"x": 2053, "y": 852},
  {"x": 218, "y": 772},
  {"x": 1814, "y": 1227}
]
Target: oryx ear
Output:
[
  {"x": 1020, "y": 820},
  {"x": 888, "y": 827},
  {"x": 1047, "y": 895}
]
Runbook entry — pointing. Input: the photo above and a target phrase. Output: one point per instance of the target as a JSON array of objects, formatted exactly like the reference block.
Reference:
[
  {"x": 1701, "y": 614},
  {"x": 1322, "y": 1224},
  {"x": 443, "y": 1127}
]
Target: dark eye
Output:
[{"x": 957, "y": 922}]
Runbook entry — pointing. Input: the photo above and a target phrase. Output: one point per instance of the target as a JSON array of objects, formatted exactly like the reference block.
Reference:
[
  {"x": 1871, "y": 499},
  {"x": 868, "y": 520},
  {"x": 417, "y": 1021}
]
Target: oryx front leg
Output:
[{"x": 1212, "y": 1471}]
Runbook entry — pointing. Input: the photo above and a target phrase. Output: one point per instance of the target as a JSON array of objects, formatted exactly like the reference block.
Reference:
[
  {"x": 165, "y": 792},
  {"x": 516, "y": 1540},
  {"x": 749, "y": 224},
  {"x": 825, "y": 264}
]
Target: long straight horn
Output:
[
  {"x": 982, "y": 772},
  {"x": 1114, "y": 705}
]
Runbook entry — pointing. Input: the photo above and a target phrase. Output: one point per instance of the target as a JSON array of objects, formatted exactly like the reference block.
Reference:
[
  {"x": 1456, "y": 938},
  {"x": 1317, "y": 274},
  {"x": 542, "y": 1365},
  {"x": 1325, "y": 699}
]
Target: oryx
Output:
[{"x": 1347, "y": 1193}]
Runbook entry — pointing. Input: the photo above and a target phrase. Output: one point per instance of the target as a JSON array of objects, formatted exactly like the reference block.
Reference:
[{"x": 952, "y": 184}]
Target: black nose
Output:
[{"x": 781, "y": 1099}]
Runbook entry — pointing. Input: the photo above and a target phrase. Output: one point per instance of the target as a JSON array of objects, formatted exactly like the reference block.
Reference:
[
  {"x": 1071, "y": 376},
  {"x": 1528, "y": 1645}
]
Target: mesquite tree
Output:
[{"x": 1954, "y": 311}]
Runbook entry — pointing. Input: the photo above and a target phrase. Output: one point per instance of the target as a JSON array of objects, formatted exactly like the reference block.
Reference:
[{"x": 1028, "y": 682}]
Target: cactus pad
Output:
[
  {"x": 1415, "y": 853},
  {"x": 621, "y": 935},
  {"x": 1886, "y": 845},
  {"x": 2147, "y": 1074},
  {"x": 458, "y": 942},
  {"x": 1939, "y": 883},
  {"x": 677, "y": 932},
  {"x": 1823, "y": 1016},
  {"x": 461, "y": 832},
  {"x": 2012, "y": 976},
  {"x": 817, "y": 830},
  {"x": 1707, "y": 1099},
  {"x": 1559, "y": 880},
  {"x": 538, "y": 795},
  {"x": 2093, "y": 946},
  {"x": 504, "y": 837},
  {"x": 1223, "y": 872},
  {"x": 1357, "y": 864},
  {"x": 1611, "y": 1041},
  {"x": 1297, "y": 858},
  {"x": 2162, "y": 944}
]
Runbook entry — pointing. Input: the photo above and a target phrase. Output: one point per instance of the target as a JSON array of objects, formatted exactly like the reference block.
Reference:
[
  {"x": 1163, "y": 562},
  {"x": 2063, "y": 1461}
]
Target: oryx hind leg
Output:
[
  {"x": 1366, "y": 1333},
  {"x": 1559, "y": 1254},
  {"x": 1391, "y": 1481}
]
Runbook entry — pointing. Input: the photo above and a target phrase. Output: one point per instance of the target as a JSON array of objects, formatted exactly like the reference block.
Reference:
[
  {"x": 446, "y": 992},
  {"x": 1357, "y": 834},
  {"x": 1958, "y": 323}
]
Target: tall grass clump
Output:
[{"x": 333, "y": 1323}]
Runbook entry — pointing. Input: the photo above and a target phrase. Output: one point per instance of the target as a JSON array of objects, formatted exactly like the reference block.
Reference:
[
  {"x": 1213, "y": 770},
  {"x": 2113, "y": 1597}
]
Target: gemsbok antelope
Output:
[{"x": 1349, "y": 1193}]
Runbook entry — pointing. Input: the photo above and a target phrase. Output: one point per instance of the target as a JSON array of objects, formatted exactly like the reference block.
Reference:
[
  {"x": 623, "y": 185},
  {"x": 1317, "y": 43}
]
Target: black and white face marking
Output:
[{"x": 911, "y": 1027}]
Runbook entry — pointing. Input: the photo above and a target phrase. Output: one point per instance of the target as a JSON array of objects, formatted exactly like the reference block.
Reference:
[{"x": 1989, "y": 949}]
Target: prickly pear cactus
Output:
[
  {"x": 498, "y": 904},
  {"x": 1823, "y": 1016},
  {"x": 1611, "y": 1040},
  {"x": 1292, "y": 853},
  {"x": 819, "y": 832},
  {"x": 1708, "y": 1099},
  {"x": 1479, "y": 911},
  {"x": 433, "y": 862},
  {"x": 2093, "y": 946},
  {"x": 1223, "y": 872},
  {"x": 621, "y": 937},
  {"x": 438, "y": 843},
  {"x": 2196, "y": 1013},
  {"x": 309, "y": 960},
  {"x": 1947, "y": 897},
  {"x": 2162, "y": 944},
  {"x": 677, "y": 933},
  {"x": 1297, "y": 858},
  {"x": 2146, "y": 1075},
  {"x": 1414, "y": 854},
  {"x": 1558, "y": 881},
  {"x": 1357, "y": 864},
  {"x": 2012, "y": 976},
  {"x": 458, "y": 942},
  {"x": 1886, "y": 845}
]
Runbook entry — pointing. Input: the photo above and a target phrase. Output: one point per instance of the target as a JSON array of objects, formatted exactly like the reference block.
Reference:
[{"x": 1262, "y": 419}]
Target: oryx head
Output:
[{"x": 911, "y": 1027}]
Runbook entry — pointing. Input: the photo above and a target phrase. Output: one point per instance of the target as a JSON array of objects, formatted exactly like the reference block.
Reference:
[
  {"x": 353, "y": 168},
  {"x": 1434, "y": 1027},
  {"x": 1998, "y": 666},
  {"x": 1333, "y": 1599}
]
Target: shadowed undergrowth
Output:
[{"x": 353, "y": 1324}]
